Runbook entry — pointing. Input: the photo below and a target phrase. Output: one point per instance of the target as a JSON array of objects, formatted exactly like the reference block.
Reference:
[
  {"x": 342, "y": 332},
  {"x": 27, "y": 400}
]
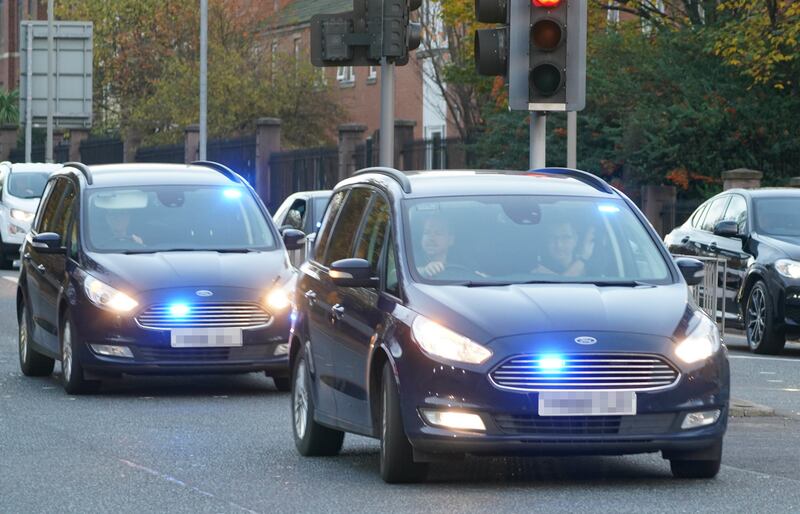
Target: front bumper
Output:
[
  {"x": 514, "y": 427},
  {"x": 262, "y": 347}
]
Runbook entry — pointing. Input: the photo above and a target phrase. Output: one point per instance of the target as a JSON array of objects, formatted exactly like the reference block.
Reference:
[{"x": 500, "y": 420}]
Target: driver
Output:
[
  {"x": 119, "y": 221},
  {"x": 437, "y": 239},
  {"x": 566, "y": 253}
]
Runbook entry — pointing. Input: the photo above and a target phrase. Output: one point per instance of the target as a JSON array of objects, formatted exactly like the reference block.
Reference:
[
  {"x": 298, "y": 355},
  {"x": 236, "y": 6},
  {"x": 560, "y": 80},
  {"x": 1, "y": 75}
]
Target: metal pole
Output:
[
  {"x": 572, "y": 139},
  {"x": 387, "y": 114},
  {"x": 538, "y": 143},
  {"x": 51, "y": 66},
  {"x": 29, "y": 97},
  {"x": 203, "y": 78}
]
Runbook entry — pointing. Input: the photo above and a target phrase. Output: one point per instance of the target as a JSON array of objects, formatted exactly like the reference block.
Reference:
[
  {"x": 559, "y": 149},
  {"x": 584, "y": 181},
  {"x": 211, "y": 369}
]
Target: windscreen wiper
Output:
[
  {"x": 619, "y": 283},
  {"x": 502, "y": 284}
]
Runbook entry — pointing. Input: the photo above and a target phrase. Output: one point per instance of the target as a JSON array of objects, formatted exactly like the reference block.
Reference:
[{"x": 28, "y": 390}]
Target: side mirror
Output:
[
  {"x": 693, "y": 271},
  {"x": 48, "y": 242},
  {"x": 726, "y": 229},
  {"x": 293, "y": 239},
  {"x": 353, "y": 273}
]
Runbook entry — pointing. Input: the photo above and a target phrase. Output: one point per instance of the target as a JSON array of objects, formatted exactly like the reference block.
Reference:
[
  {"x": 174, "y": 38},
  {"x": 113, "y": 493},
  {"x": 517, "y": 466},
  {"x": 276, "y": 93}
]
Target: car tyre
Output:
[
  {"x": 763, "y": 336},
  {"x": 282, "y": 384},
  {"x": 31, "y": 362},
  {"x": 310, "y": 438},
  {"x": 72, "y": 374},
  {"x": 397, "y": 456},
  {"x": 6, "y": 263},
  {"x": 695, "y": 469}
]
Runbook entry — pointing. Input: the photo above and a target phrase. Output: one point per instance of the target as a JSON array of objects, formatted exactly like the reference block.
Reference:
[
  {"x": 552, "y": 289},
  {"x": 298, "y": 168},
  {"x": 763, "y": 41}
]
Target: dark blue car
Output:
[
  {"x": 492, "y": 313},
  {"x": 153, "y": 269}
]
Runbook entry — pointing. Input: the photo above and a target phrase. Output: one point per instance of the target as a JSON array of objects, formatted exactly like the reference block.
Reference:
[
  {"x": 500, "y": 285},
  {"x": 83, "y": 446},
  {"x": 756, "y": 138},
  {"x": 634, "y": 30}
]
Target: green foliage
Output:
[
  {"x": 9, "y": 108},
  {"x": 662, "y": 109}
]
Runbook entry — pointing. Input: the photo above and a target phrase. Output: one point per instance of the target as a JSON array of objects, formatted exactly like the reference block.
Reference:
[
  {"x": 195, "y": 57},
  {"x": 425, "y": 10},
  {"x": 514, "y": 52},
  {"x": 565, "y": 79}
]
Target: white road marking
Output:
[
  {"x": 12, "y": 279},
  {"x": 168, "y": 478},
  {"x": 761, "y": 475},
  {"x": 779, "y": 359},
  {"x": 775, "y": 381},
  {"x": 767, "y": 373}
]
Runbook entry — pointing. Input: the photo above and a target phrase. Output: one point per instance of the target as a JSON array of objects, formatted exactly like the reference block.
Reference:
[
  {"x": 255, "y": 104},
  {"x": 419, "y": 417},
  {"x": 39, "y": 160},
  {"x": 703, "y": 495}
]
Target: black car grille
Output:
[
  {"x": 584, "y": 425},
  {"x": 205, "y": 315},
  {"x": 189, "y": 355},
  {"x": 587, "y": 372}
]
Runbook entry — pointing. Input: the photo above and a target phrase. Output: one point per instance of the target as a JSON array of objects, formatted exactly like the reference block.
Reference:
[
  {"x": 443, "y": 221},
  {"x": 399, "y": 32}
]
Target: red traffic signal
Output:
[{"x": 546, "y": 3}]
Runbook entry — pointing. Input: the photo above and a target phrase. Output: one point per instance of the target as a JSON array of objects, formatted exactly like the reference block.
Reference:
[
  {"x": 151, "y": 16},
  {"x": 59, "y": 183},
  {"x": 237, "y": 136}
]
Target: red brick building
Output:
[{"x": 12, "y": 12}]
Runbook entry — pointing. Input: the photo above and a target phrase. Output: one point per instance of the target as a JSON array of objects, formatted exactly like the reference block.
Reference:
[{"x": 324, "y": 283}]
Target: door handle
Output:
[
  {"x": 26, "y": 256},
  {"x": 713, "y": 246},
  {"x": 311, "y": 296},
  {"x": 685, "y": 239},
  {"x": 41, "y": 269},
  {"x": 337, "y": 312}
]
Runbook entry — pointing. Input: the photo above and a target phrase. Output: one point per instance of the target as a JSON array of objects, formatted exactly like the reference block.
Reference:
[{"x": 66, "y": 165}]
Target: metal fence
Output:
[
  {"x": 107, "y": 150},
  {"x": 239, "y": 154},
  {"x": 711, "y": 294},
  {"x": 168, "y": 154},
  {"x": 436, "y": 154},
  {"x": 301, "y": 170},
  {"x": 60, "y": 153}
]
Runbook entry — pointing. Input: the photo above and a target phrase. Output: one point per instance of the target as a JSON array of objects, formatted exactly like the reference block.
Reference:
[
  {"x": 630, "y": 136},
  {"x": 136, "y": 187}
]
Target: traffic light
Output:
[
  {"x": 557, "y": 55},
  {"x": 491, "y": 45},
  {"x": 374, "y": 29}
]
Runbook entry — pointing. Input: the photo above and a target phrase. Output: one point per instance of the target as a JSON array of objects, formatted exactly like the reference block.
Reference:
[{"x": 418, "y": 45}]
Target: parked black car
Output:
[
  {"x": 452, "y": 313},
  {"x": 153, "y": 269},
  {"x": 758, "y": 233}
]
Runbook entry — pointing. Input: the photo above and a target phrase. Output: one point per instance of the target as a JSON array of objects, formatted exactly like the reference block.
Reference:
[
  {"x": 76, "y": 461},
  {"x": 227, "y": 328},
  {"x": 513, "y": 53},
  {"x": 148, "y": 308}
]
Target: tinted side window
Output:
[
  {"x": 73, "y": 239},
  {"x": 392, "y": 283},
  {"x": 714, "y": 213},
  {"x": 296, "y": 216},
  {"x": 737, "y": 211},
  {"x": 697, "y": 217},
  {"x": 344, "y": 234},
  {"x": 65, "y": 212},
  {"x": 373, "y": 236},
  {"x": 49, "y": 210},
  {"x": 321, "y": 243}
]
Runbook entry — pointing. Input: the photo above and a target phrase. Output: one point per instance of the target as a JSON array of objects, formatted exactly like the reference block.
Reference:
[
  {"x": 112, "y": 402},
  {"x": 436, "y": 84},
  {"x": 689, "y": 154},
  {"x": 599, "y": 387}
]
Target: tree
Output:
[{"x": 9, "y": 108}]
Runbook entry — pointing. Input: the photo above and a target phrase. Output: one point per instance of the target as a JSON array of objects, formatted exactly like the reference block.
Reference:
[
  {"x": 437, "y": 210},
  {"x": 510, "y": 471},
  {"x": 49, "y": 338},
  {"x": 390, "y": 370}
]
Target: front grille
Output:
[
  {"x": 190, "y": 355},
  {"x": 641, "y": 424},
  {"x": 205, "y": 315},
  {"x": 587, "y": 372}
]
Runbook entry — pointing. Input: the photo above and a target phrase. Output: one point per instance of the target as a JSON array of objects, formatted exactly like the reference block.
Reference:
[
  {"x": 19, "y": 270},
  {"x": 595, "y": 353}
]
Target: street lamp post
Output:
[{"x": 203, "y": 78}]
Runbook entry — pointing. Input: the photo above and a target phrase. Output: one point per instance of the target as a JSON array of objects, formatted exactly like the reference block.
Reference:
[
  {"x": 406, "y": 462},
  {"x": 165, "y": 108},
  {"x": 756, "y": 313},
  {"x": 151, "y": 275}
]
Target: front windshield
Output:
[
  {"x": 518, "y": 239},
  {"x": 778, "y": 216},
  {"x": 27, "y": 185},
  {"x": 175, "y": 218}
]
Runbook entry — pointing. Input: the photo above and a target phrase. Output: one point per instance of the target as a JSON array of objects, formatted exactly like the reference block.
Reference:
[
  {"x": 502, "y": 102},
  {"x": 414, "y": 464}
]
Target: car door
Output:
[
  {"x": 361, "y": 319},
  {"x": 681, "y": 240},
  {"x": 704, "y": 239},
  {"x": 731, "y": 249},
  {"x": 37, "y": 285}
]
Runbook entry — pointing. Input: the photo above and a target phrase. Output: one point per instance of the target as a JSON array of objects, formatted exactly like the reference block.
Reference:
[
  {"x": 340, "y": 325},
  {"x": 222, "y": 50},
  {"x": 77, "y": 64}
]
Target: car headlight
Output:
[
  {"x": 438, "y": 341},
  {"x": 787, "y": 268},
  {"x": 702, "y": 342},
  {"x": 21, "y": 215},
  {"x": 106, "y": 297},
  {"x": 279, "y": 298}
]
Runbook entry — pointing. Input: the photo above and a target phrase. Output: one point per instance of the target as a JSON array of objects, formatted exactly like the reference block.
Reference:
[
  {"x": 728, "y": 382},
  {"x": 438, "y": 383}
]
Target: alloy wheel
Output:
[
  {"x": 756, "y": 317},
  {"x": 23, "y": 336},
  {"x": 66, "y": 353},
  {"x": 300, "y": 399}
]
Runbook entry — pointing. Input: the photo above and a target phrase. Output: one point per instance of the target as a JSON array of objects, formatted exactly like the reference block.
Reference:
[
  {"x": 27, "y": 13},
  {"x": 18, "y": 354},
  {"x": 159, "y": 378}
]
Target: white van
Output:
[{"x": 21, "y": 187}]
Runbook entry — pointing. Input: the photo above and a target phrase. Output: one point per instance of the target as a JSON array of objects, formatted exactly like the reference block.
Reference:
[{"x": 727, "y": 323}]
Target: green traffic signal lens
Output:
[
  {"x": 546, "y": 35},
  {"x": 546, "y": 79}
]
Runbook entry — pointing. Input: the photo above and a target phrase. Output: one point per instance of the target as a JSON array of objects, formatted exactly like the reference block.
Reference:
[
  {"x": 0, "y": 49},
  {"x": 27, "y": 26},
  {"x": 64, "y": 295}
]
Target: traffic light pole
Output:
[
  {"x": 538, "y": 143},
  {"x": 572, "y": 140},
  {"x": 387, "y": 114}
]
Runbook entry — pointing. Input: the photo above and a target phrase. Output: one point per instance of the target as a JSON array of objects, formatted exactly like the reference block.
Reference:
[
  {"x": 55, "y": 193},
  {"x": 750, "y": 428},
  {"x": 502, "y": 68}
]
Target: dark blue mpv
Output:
[{"x": 500, "y": 313}]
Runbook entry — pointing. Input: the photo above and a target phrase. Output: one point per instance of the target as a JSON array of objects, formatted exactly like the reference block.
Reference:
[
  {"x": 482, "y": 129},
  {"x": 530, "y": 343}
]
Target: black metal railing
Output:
[
  {"x": 301, "y": 170},
  {"x": 169, "y": 154}
]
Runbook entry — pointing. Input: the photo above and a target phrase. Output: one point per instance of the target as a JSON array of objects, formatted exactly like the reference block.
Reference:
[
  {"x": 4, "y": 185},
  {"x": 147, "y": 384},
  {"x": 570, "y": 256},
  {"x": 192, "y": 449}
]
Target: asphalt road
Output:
[{"x": 223, "y": 444}]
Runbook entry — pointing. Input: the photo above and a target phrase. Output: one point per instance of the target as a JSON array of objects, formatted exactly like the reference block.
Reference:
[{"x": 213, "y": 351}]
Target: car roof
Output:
[
  {"x": 487, "y": 182},
  {"x": 767, "y": 192},
  {"x": 145, "y": 174},
  {"x": 33, "y": 167}
]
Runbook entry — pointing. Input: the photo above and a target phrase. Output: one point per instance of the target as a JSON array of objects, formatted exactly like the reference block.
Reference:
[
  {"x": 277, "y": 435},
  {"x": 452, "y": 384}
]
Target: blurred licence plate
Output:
[
  {"x": 206, "y": 338},
  {"x": 587, "y": 403}
]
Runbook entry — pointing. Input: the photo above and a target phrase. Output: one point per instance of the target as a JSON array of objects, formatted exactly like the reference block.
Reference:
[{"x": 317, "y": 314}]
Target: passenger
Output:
[
  {"x": 563, "y": 254},
  {"x": 119, "y": 221}
]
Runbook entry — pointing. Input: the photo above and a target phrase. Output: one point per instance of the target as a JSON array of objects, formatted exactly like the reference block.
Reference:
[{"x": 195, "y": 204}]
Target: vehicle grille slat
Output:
[
  {"x": 212, "y": 315},
  {"x": 587, "y": 371}
]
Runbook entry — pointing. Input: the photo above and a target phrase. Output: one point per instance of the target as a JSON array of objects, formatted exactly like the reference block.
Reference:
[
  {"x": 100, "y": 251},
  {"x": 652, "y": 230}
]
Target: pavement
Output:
[{"x": 223, "y": 444}]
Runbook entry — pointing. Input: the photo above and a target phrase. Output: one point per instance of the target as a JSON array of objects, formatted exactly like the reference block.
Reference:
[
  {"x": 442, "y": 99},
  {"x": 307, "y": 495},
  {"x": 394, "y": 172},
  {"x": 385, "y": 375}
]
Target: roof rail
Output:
[
  {"x": 583, "y": 176},
  {"x": 82, "y": 168},
  {"x": 221, "y": 168},
  {"x": 399, "y": 177}
]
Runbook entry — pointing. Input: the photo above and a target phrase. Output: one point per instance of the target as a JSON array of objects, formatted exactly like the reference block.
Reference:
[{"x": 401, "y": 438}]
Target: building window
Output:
[
  {"x": 298, "y": 50},
  {"x": 274, "y": 56},
  {"x": 648, "y": 25},
  {"x": 613, "y": 13},
  {"x": 346, "y": 75},
  {"x": 372, "y": 76}
]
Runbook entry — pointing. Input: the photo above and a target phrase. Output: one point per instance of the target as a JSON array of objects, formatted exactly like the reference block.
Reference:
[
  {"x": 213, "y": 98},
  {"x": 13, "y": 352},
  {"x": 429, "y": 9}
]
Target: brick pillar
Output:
[
  {"x": 191, "y": 143},
  {"x": 8, "y": 140},
  {"x": 741, "y": 178},
  {"x": 350, "y": 136},
  {"x": 76, "y": 137},
  {"x": 658, "y": 204},
  {"x": 268, "y": 142},
  {"x": 403, "y": 134}
]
